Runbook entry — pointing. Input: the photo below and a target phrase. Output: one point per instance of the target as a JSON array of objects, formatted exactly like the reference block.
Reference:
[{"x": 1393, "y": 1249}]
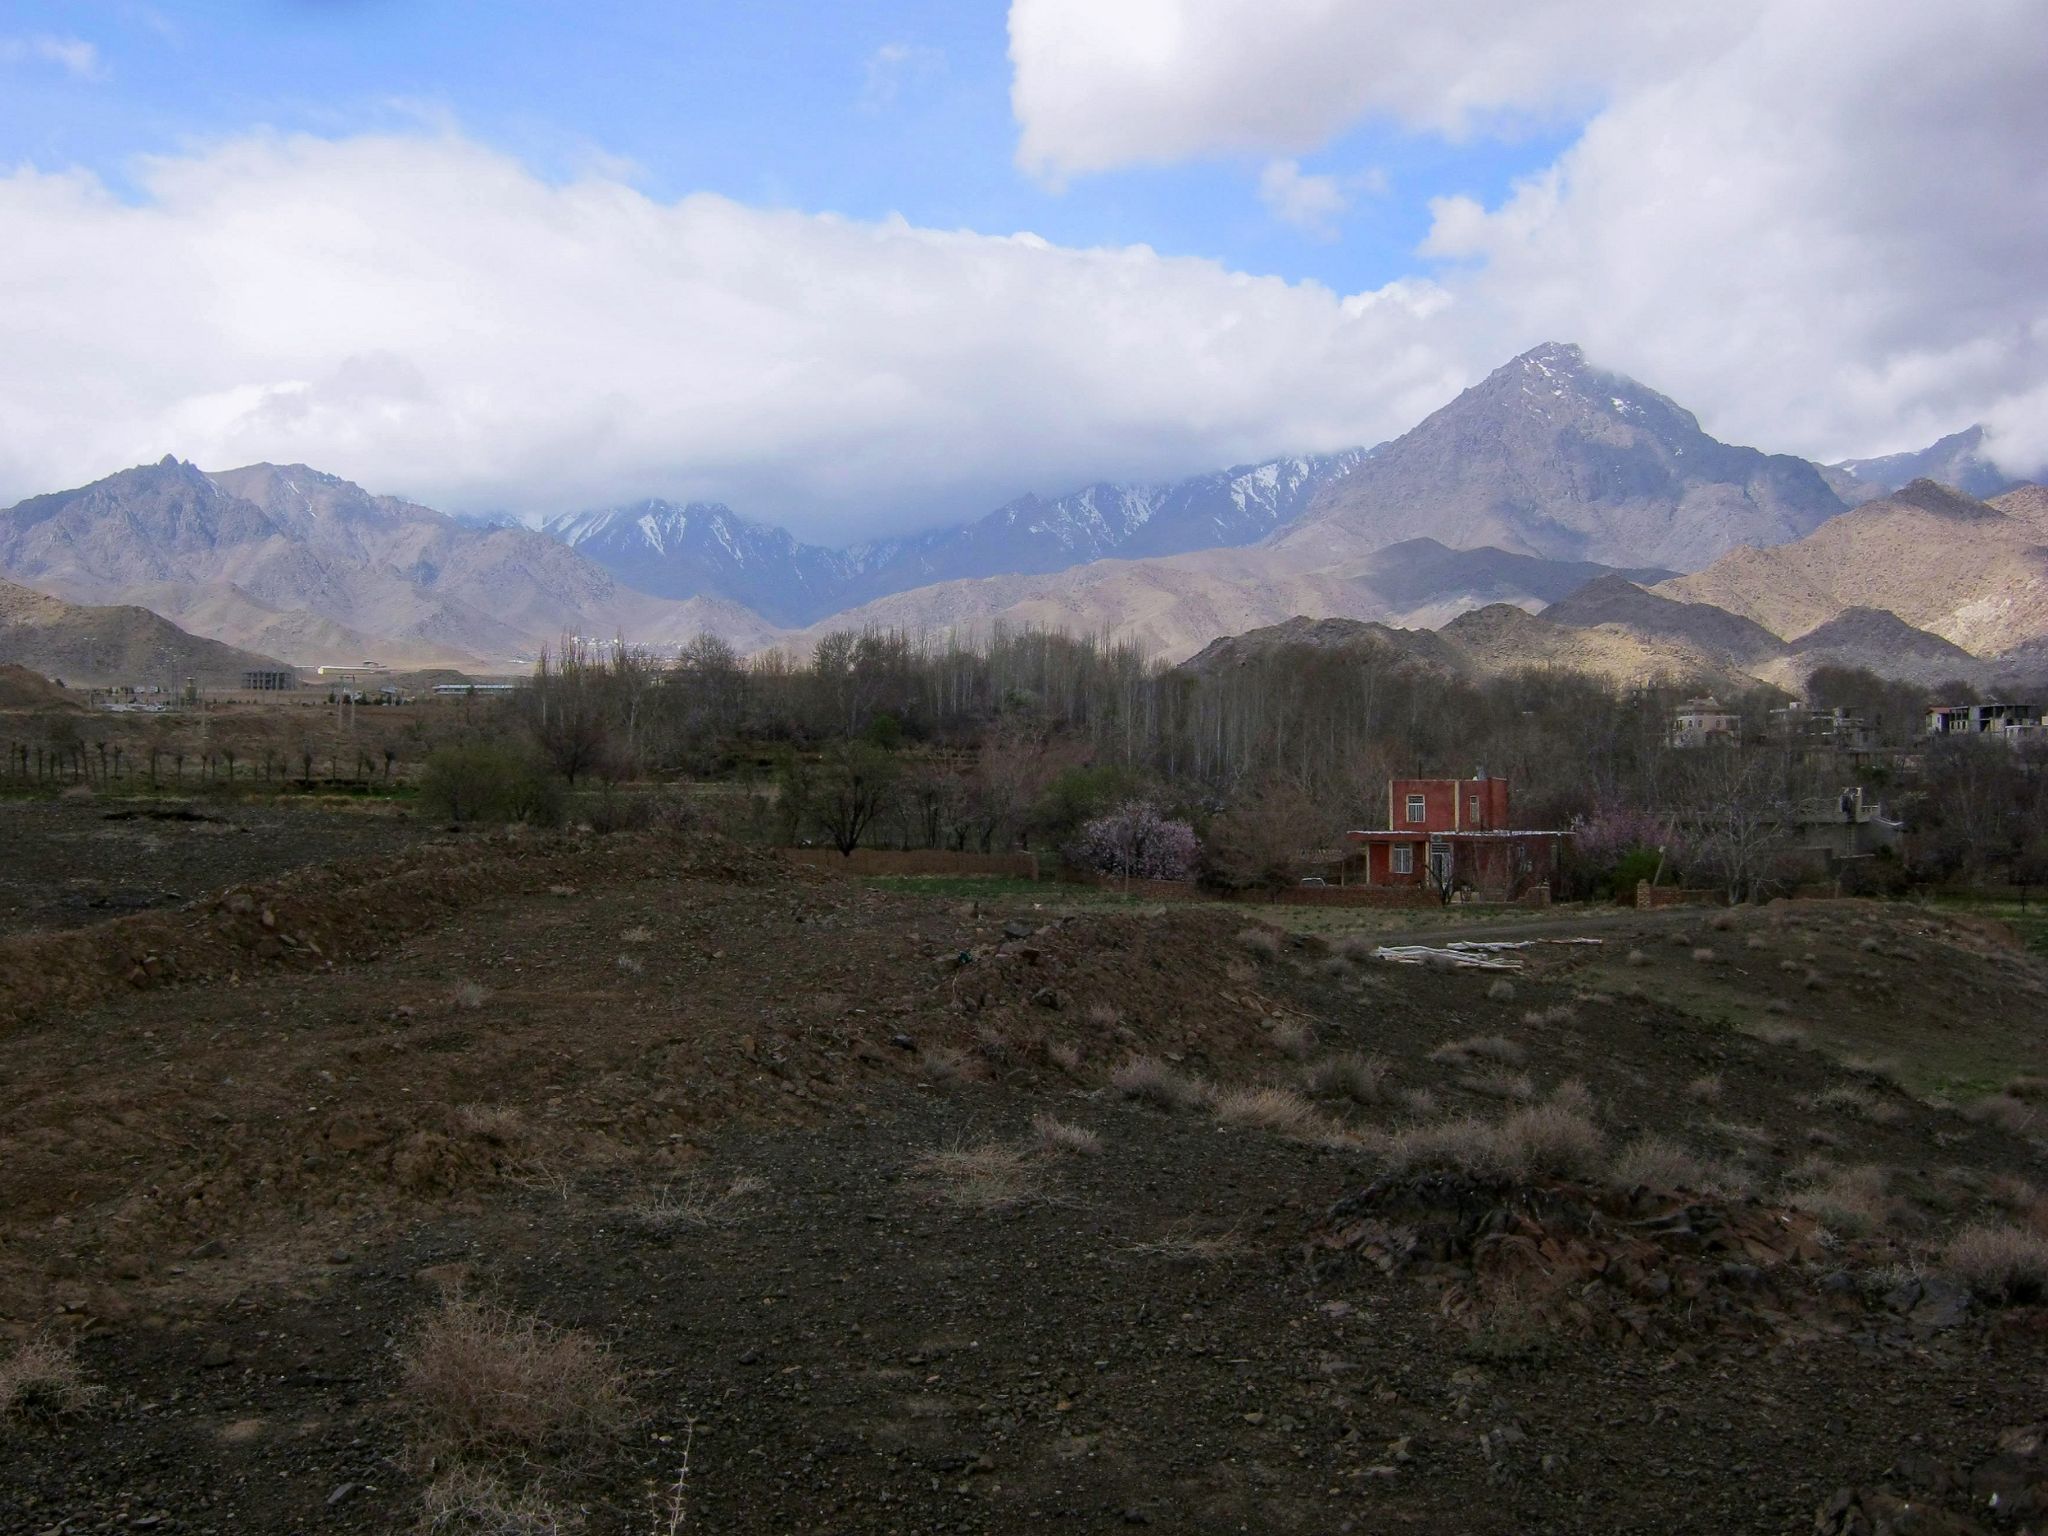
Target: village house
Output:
[
  {"x": 1699, "y": 722},
  {"x": 1457, "y": 836}
]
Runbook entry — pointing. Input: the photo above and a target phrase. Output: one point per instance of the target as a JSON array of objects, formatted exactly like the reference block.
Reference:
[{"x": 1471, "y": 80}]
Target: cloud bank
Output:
[
  {"x": 1816, "y": 221},
  {"x": 426, "y": 316}
]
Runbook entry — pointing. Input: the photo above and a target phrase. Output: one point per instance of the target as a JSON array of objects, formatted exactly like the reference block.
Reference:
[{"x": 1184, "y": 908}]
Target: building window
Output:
[
  {"x": 1474, "y": 803},
  {"x": 1415, "y": 810},
  {"x": 1404, "y": 857}
]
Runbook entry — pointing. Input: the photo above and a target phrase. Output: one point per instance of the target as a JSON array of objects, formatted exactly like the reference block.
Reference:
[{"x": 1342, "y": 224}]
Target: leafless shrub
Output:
[
  {"x": 1260, "y": 943},
  {"x": 1421, "y": 1103},
  {"x": 1637, "y": 958},
  {"x": 1860, "y": 1102},
  {"x": 1055, "y": 1135},
  {"x": 1574, "y": 1095},
  {"x": 1064, "y": 1055},
  {"x": 467, "y": 1501},
  {"x": 1756, "y": 941},
  {"x": 1850, "y": 1200},
  {"x": 1502, "y": 991},
  {"x": 1542, "y": 1139},
  {"x": 1152, "y": 1081},
  {"x": 1361, "y": 1079},
  {"x": 1554, "y": 1139},
  {"x": 987, "y": 1177},
  {"x": 632, "y": 965},
  {"x": 41, "y": 1382},
  {"x": 2010, "y": 1192},
  {"x": 1751, "y": 1136},
  {"x": 1465, "y": 1145},
  {"x": 1497, "y": 1048},
  {"x": 1781, "y": 1034},
  {"x": 1102, "y": 1015},
  {"x": 1556, "y": 1014},
  {"x": 1355, "y": 947},
  {"x": 693, "y": 1206},
  {"x": 1721, "y": 922},
  {"x": 991, "y": 1044},
  {"x": 1814, "y": 982},
  {"x": 640, "y": 935},
  {"x": 486, "y": 1383},
  {"x": 1706, "y": 1089},
  {"x": 1703, "y": 955},
  {"x": 2000, "y": 1264},
  {"x": 1278, "y": 1110},
  {"x": 1292, "y": 1037},
  {"x": 467, "y": 994},
  {"x": 1501, "y": 1083}
]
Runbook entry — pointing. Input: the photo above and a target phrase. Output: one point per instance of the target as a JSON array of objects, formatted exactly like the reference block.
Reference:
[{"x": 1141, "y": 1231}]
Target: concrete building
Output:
[
  {"x": 2014, "y": 723},
  {"x": 1703, "y": 722},
  {"x": 1457, "y": 835}
]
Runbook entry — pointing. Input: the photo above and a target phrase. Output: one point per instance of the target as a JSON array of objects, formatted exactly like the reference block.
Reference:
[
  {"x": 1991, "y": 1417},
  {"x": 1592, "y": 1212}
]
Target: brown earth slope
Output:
[
  {"x": 119, "y": 645},
  {"x": 772, "y": 1139}
]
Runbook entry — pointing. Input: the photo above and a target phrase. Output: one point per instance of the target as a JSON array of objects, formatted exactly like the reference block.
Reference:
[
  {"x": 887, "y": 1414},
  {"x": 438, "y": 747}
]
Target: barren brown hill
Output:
[
  {"x": 1972, "y": 572},
  {"x": 112, "y": 645},
  {"x": 1173, "y": 607}
]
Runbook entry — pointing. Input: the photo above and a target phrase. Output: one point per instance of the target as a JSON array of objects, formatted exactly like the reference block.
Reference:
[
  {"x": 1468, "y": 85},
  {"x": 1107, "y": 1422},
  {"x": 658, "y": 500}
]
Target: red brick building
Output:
[{"x": 1457, "y": 835}]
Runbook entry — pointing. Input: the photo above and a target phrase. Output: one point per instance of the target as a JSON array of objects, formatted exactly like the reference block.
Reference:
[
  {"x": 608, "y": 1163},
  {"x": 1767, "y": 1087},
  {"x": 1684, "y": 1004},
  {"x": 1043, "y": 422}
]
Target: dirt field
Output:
[{"x": 770, "y": 1138}]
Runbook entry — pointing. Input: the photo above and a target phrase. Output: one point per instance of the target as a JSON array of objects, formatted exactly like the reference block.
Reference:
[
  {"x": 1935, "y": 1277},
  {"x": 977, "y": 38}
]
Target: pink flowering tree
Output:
[{"x": 1136, "y": 842}]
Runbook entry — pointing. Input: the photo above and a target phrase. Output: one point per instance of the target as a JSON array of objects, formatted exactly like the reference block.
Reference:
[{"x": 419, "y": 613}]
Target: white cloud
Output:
[
  {"x": 893, "y": 66},
  {"x": 1098, "y": 86},
  {"x": 1814, "y": 221},
  {"x": 426, "y": 316},
  {"x": 1311, "y": 202},
  {"x": 77, "y": 57}
]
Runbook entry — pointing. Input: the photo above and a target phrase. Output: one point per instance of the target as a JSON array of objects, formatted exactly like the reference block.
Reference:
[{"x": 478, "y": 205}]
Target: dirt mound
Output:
[
  {"x": 345, "y": 911},
  {"x": 22, "y": 689},
  {"x": 1629, "y": 1266}
]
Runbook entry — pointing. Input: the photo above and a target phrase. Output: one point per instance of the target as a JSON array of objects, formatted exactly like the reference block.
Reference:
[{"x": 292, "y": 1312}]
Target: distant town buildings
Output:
[
  {"x": 2013, "y": 723},
  {"x": 1701, "y": 722}
]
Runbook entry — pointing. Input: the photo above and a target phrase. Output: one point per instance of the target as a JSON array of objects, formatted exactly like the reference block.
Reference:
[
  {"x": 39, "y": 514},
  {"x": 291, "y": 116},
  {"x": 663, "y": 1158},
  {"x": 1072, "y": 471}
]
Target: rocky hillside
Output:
[
  {"x": 1972, "y": 572},
  {"x": 1551, "y": 456},
  {"x": 1956, "y": 461},
  {"x": 120, "y": 645},
  {"x": 311, "y": 566}
]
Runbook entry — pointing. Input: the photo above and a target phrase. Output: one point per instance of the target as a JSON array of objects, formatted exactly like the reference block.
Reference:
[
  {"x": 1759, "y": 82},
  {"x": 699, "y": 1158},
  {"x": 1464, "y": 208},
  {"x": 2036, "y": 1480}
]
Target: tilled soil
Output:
[{"x": 240, "y": 1196}]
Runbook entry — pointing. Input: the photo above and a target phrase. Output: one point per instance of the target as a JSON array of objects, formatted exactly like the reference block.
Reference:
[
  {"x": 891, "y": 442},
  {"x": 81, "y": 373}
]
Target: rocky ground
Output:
[{"x": 882, "y": 1231}]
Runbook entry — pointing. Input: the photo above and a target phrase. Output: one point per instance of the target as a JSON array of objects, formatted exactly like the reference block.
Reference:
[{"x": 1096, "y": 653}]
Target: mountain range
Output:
[{"x": 1551, "y": 487}]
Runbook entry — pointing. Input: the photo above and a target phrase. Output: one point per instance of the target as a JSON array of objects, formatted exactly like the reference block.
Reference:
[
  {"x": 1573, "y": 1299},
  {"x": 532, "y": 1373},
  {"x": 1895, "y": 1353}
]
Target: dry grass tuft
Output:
[
  {"x": 1152, "y": 1081},
  {"x": 989, "y": 1177},
  {"x": 42, "y": 1383},
  {"x": 1705, "y": 1090},
  {"x": 1279, "y": 1110},
  {"x": 694, "y": 1206},
  {"x": 2010, "y": 1114},
  {"x": 1756, "y": 941},
  {"x": 1260, "y": 943},
  {"x": 1814, "y": 982},
  {"x": 1292, "y": 1037},
  {"x": 1064, "y": 1055},
  {"x": 499, "y": 1125},
  {"x": 1055, "y": 1135},
  {"x": 948, "y": 1064},
  {"x": 1636, "y": 957},
  {"x": 632, "y": 965},
  {"x": 1497, "y": 1048},
  {"x": 2033, "y": 1089},
  {"x": 1500, "y": 1083},
  {"x": 1654, "y": 1163},
  {"x": 1103, "y": 1015},
  {"x": 1703, "y": 955},
  {"x": 482, "y": 1382},
  {"x": 1545, "y": 1139},
  {"x": 1875, "y": 1069},
  {"x": 1556, "y": 1014},
  {"x": 1361, "y": 1079},
  {"x": 1421, "y": 1103},
  {"x": 1721, "y": 922},
  {"x": 2000, "y": 1264},
  {"x": 1860, "y": 1102},
  {"x": 642, "y": 935},
  {"x": 1780, "y": 1034},
  {"x": 467, "y": 994},
  {"x": 1190, "y": 1247},
  {"x": 1502, "y": 991},
  {"x": 1574, "y": 1095},
  {"x": 470, "y": 1502},
  {"x": 1355, "y": 947},
  {"x": 1852, "y": 1200}
]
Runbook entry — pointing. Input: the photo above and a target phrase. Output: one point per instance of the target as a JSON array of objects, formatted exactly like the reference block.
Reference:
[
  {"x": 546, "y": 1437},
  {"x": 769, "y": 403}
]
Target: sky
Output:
[{"x": 858, "y": 269}]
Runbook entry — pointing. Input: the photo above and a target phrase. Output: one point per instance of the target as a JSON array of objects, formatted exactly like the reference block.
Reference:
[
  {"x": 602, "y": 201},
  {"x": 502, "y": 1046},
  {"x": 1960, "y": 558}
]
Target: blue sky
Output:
[{"x": 861, "y": 109}]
